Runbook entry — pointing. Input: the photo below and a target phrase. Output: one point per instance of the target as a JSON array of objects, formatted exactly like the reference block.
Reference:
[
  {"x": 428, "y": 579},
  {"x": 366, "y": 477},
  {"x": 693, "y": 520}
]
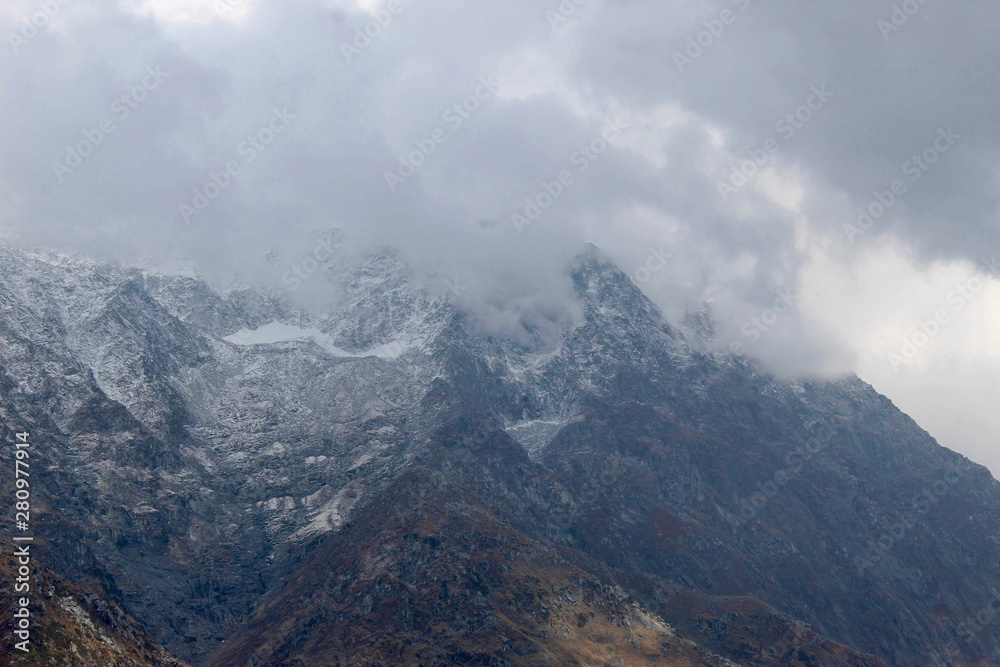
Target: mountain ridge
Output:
[{"x": 222, "y": 469}]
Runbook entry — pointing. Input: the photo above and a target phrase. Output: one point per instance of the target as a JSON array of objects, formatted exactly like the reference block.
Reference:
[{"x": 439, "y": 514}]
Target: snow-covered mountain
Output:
[{"x": 375, "y": 484}]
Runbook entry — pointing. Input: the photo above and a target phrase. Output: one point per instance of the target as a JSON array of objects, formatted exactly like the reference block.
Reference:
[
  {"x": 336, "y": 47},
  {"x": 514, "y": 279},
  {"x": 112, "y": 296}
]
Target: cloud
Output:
[{"x": 370, "y": 84}]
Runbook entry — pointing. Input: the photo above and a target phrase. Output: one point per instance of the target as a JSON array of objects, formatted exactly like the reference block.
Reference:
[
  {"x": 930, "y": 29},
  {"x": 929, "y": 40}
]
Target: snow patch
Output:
[
  {"x": 535, "y": 434},
  {"x": 279, "y": 332},
  {"x": 284, "y": 503},
  {"x": 332, "y": 515}
]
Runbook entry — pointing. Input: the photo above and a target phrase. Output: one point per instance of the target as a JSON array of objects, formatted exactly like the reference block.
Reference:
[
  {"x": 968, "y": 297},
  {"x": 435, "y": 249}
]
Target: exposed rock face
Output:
[
  {"x": 378, "y": 486},
  {"x": 71, "y": 626}
]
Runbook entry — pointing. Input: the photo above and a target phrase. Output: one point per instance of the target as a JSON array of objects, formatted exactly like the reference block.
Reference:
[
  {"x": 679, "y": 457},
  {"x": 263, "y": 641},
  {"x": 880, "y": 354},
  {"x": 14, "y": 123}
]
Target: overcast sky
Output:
[{"x": 528, "y": 128}]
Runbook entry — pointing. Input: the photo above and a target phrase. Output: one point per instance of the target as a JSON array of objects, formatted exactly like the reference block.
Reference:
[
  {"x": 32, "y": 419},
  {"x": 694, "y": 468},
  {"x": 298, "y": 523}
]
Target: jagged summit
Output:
[{"x": 378, "y": 484}]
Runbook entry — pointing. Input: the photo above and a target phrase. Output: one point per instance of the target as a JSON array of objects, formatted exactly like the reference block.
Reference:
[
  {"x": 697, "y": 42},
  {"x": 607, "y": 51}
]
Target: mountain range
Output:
[{"x": 222, "y": 477}]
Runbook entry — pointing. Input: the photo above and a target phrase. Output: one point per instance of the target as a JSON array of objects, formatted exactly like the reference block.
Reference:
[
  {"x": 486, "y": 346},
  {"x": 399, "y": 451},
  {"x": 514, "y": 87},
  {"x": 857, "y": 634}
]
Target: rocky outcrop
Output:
[{"x": 71, "y": 626}]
